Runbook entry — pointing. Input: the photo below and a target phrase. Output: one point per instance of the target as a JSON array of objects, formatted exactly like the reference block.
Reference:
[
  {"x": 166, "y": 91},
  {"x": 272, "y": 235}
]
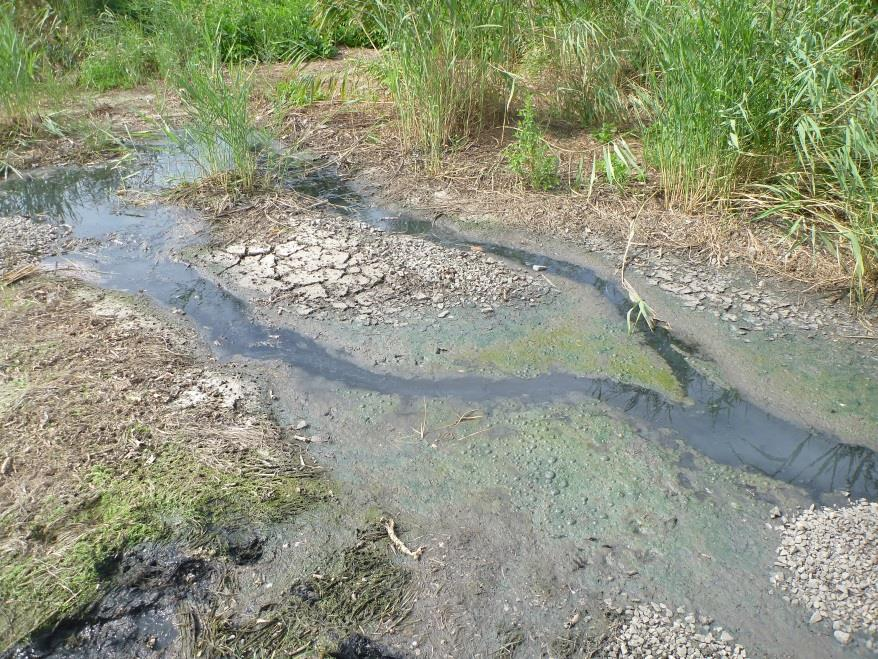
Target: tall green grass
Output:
[
  {"x": 18, "y": 64},
  {"x": 446, "y": 63},
  {"x": 774, "y": 103},
  {"x": 220, "y": 135},
  {"x": 764, "y": 107}
]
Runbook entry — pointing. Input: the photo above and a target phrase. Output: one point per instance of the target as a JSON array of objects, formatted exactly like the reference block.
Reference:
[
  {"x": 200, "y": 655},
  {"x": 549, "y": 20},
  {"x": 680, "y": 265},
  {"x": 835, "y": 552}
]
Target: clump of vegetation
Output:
[
  {"x": 359, "y": 587},
  {"x": 301, "y": 91},
  {"x": 265, "y": 30},
  {"x": 619, "y": 165},
  {"x": 444, "y": 63},
  {"x": 529, "y": 156},
  {"x": 126, "y": 464},
  {"x": 775, "y": 103},
  {"x": 119, "y": 56},
  {"x": 220, "y": 135},
  {"x": 18, "y": 64}
]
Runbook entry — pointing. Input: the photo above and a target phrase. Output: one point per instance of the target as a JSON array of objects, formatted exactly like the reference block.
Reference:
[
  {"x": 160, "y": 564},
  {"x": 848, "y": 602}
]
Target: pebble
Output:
[
  {"x": 830, "y": 561},
  {"x": 653, "y": 630},
  {"x": 842, "y": 637}
]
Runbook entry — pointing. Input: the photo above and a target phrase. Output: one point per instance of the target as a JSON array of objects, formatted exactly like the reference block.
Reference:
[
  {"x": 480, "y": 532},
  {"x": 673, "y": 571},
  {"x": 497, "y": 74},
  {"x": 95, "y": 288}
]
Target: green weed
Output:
[
  {"x": 529, "y": 156},
  {"x": 619, "y": 165},
  {"x": 301, "y": 91},
  {"x": 174, "y": 496},
  {"x": 445, "y": 63},
  {"x": 119, "y": 56},
  {"x": 776, "y": 103},
  {"x": 220, "y": 135}
]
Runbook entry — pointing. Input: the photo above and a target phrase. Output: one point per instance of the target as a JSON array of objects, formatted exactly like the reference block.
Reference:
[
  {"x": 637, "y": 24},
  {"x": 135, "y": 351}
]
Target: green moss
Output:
[
  {"x": 584, "y": 349},
  {"x": 833, "y": 383}
]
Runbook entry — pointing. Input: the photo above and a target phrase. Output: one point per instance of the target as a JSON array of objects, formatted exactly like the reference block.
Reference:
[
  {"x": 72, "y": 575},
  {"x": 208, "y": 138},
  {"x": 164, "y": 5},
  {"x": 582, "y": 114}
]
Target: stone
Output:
[{"x": 842, "y": 637}]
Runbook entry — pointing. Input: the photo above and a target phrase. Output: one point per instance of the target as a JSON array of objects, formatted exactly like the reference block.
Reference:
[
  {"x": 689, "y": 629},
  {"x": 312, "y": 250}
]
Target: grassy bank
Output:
[
  {"x": 764, "y": 110},
  {"x": 113, "y": 439},
  {"x": 769, "y": 110}
]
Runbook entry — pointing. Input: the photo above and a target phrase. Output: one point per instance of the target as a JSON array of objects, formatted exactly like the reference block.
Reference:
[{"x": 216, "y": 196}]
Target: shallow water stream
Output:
[{"x": 136, "y": 247}]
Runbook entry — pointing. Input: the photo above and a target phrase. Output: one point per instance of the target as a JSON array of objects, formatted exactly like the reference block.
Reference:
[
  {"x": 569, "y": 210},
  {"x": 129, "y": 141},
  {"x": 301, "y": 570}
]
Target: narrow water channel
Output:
[{"x": 132, "y": 247}]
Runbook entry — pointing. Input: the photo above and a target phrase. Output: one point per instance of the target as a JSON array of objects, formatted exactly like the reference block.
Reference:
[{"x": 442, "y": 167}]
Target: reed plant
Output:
[
  {"x": 18, "y": 65},
  {"x": 220, "y": 135},
  {"x": 770, "y": 103}
]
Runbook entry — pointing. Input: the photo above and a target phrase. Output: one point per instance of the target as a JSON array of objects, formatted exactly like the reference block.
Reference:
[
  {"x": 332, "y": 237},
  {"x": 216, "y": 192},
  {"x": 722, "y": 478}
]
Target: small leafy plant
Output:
[
  {"x": 301, "y": 91},
  {"x": 529, "y": 156},
  {"x": 619, "y": 165}
]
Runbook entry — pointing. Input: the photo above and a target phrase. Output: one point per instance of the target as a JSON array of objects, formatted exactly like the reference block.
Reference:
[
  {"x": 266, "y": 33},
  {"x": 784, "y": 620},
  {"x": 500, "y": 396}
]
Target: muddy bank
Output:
[{"x": 744, "y": 272}]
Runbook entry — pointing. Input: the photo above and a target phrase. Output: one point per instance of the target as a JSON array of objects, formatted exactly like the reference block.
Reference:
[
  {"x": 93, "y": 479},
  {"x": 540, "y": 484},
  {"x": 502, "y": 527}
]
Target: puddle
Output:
[{"x": 136, "y": 254}]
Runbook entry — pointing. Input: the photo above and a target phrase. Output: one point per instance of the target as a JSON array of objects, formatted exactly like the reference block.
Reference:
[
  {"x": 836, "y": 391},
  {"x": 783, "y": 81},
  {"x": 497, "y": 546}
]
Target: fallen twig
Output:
[{"x": 390, "y": 526}]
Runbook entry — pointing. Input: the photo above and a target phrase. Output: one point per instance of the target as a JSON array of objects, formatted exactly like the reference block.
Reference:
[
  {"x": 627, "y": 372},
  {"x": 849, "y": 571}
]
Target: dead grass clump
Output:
[
  {"x": 98, "y": 453},
  {"x": 361, "y": 590}
]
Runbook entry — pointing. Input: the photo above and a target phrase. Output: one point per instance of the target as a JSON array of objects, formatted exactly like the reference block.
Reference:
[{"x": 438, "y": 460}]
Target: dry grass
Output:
[{"x": 99, "y": 446}]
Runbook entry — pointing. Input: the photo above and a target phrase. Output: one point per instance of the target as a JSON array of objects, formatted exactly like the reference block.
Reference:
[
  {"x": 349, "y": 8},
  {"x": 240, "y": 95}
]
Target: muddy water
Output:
[{"x": 133, "y": 247}]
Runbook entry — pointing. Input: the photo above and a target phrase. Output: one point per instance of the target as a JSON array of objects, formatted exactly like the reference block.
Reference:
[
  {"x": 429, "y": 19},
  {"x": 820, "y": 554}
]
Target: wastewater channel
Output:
[{"x": 138, "y": 248}]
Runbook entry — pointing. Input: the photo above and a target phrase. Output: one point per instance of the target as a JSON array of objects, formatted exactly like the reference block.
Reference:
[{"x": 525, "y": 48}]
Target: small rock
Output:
[
  {"x": 539, "y": 268},
  {"x": 842, "y": 637},
  {"x": 774, "y": 512},
  {"x": 301, "y": 424}
]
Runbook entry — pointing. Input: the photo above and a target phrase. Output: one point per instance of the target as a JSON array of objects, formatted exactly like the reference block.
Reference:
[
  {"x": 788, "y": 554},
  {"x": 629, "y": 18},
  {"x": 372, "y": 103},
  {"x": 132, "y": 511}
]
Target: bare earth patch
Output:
[{"x": 352, "y": 270}]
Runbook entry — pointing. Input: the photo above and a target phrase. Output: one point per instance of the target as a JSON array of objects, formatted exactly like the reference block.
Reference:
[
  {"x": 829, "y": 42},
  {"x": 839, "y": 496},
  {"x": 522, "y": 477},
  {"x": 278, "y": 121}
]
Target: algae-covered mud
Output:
[{"x": 560, "y": 485}]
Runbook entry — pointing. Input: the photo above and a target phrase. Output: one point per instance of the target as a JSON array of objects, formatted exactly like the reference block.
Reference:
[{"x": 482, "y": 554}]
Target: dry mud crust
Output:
[
  {"x": 346, "y": 269},
  {"x": 830, "y": 562}
]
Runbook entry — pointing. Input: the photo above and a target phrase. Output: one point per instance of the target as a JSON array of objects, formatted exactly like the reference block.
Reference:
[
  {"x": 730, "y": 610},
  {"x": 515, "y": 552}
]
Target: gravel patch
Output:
[
  {"x": 24, "y": 240},
  {"x": 750, "y": 307},
  {"x": 830, "y": 561},
  {"x": 353, "y": 270},
  {"x": 654, "y": 630}
]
